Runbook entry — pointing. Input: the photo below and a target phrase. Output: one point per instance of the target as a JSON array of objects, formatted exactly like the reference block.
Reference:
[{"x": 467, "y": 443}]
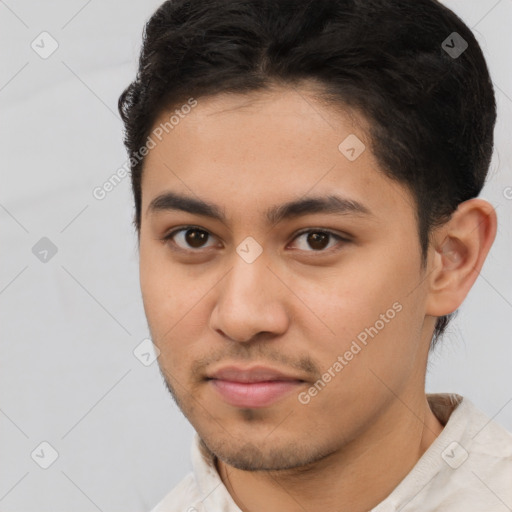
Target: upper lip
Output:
[{"x": 252, "y": 374}]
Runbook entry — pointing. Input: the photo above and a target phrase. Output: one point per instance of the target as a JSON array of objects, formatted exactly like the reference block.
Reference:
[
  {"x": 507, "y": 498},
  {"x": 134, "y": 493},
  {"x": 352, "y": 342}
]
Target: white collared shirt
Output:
[{"x": 467, "y": 468}]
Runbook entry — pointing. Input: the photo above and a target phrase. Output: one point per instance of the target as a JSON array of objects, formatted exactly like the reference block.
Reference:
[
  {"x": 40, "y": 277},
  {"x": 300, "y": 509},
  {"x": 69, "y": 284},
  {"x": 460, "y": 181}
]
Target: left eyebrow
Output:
[{"x": 334, "y": 205}]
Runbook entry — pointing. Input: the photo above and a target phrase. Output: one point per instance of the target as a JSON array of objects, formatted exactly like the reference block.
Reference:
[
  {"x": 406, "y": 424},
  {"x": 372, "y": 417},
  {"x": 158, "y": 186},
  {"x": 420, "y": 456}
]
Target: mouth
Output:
[{"x": 254, "y": 387}]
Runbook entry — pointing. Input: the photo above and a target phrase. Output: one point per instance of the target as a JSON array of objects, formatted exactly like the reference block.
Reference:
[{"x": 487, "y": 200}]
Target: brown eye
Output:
[
  {"x": 318, "y": 240},
  {"x": 195, "y": 237},
  {"x": 189, "y": 238}
]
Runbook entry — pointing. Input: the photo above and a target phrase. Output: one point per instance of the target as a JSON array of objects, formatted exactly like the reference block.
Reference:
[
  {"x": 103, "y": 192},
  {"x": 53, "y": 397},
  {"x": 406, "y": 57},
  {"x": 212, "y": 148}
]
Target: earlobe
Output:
[{"x": 460, "y": 248}]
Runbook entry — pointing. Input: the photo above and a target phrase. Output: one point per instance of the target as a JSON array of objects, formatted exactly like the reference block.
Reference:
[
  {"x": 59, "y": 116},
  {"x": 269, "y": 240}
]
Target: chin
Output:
[{"x": 264, "y": 455}]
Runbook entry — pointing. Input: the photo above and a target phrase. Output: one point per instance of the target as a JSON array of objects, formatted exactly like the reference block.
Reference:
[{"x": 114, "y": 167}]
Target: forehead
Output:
[{"x": 249, "y": 151}]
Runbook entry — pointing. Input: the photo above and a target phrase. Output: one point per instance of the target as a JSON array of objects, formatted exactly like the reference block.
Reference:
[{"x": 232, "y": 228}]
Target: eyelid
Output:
[{"x": 340, "y": 235}]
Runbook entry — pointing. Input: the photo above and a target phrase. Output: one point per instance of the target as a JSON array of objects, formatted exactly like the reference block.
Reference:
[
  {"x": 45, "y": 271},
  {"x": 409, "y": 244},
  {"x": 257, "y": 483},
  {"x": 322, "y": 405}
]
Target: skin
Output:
[{"x": 297, "y": 307}]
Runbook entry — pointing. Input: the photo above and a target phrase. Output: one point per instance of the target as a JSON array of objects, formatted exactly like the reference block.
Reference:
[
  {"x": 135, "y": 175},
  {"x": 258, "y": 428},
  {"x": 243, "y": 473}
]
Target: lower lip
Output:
[{"x": 254, "y": 394}]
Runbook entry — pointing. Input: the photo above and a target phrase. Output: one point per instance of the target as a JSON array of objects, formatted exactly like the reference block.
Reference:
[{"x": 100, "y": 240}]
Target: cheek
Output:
[
  {"x": 175, "y": 305},
  {"x": 162, "y": 290},
  {"x": 348, "y": 299},
  {"x": 369, "y": 356},
  {"x": 366, "y": 302}
]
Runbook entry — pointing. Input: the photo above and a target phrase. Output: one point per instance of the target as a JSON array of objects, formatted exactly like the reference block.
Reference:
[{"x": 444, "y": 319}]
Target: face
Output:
[{"x": 274, "y": 277}]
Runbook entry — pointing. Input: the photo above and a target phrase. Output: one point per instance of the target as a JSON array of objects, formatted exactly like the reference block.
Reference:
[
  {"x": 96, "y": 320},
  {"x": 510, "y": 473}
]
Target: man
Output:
[{"x": 305, "y": 177}]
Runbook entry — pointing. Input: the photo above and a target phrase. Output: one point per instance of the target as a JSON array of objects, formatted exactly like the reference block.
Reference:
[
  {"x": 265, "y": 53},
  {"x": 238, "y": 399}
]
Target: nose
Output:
[{"x": 251, "y": 300}]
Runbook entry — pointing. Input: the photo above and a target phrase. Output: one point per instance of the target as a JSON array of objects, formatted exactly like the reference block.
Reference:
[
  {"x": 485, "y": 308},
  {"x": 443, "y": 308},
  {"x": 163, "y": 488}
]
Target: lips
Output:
[
  {"x": 253, "y": 387},
  {"x": 254, "y": 374}
]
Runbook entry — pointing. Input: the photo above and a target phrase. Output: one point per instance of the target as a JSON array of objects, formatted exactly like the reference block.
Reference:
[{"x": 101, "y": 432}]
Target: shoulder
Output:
[
  {"x": 467, "y": 467},
  {"x": 478, "y": 470},
  {"x": 487, "y": 437}
]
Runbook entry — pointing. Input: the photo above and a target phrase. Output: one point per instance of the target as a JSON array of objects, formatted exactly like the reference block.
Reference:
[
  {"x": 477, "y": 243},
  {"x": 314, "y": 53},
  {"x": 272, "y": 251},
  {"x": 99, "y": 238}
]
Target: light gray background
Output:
[{"x": 69, "y": 326}]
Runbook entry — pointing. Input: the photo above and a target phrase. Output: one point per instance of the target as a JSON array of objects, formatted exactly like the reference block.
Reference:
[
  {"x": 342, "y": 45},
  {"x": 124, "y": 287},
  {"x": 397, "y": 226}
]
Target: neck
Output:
[{"x": 355, "y": 478}]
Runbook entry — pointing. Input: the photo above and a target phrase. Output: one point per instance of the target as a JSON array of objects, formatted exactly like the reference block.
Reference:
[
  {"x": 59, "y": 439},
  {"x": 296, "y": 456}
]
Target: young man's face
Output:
[{"x": 347, "y": 314}]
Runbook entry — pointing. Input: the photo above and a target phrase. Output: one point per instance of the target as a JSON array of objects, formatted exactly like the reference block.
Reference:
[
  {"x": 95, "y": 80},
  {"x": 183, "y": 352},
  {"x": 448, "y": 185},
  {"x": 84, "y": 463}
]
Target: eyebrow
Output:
[{"x": 331, "y": 204}]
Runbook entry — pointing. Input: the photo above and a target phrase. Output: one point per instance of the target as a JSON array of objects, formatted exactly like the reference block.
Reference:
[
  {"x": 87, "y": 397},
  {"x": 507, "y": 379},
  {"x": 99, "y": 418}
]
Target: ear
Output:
[{"x": 459, "y": 249}]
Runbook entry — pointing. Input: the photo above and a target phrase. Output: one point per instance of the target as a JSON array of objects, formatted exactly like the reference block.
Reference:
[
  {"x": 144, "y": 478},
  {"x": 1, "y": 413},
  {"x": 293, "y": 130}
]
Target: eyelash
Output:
[{"x": 168, "y": 237}]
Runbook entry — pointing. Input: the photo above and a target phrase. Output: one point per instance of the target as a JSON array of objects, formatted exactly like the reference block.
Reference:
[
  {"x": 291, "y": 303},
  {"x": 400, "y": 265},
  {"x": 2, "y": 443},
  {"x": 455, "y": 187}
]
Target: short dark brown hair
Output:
[{"x": 432, "y": 112}]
